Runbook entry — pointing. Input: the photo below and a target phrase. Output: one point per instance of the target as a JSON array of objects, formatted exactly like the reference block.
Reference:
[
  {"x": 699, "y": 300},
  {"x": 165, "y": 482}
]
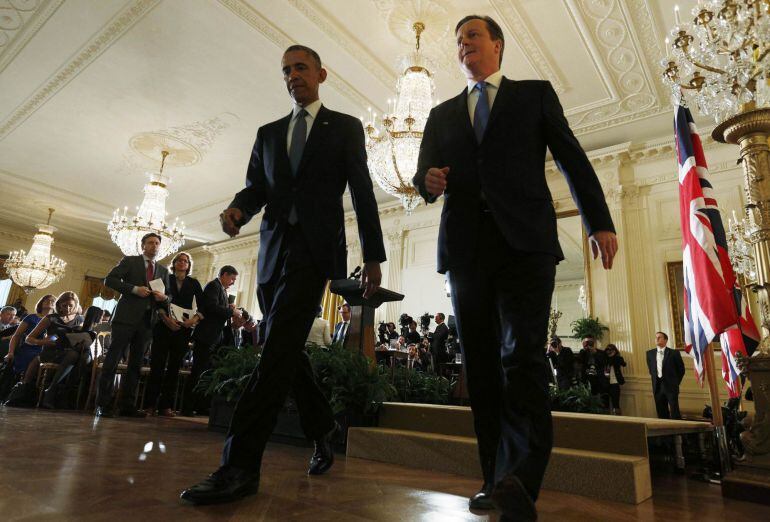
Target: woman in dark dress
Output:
[
  {"x": 51, "y": 334},
  {"x": 171, "y": 337},
  {"x": 614, "y": 375},
  {"x": 20, "y": 352}
]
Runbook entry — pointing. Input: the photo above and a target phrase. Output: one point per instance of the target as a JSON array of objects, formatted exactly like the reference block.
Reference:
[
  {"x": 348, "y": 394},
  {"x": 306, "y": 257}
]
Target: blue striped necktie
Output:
[
  {"x": 298, "y": 137},
  {"x": 481, "y": 114}
]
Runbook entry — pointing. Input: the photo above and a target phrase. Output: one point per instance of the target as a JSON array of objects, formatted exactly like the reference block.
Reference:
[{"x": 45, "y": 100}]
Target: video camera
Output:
[{"x": 425, "y": 323}]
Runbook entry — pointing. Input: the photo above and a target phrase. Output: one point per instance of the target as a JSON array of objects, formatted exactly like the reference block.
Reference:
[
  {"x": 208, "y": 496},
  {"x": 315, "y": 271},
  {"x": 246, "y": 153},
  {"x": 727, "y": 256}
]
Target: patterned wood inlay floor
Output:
[{"x": 68, "y": 466}]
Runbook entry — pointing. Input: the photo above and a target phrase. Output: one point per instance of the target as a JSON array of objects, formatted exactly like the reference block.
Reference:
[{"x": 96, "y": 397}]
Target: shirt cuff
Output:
[{"x": 135, "y": 290}]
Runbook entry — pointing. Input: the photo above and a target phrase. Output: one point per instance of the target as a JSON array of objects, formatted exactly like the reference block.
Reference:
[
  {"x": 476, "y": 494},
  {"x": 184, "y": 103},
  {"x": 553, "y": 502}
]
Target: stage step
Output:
[{"x": 588, "y": 449}]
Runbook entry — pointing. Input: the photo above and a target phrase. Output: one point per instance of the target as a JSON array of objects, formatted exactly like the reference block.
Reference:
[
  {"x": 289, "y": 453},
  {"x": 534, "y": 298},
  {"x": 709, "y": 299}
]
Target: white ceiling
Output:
[{"x": 79, "y": 78}]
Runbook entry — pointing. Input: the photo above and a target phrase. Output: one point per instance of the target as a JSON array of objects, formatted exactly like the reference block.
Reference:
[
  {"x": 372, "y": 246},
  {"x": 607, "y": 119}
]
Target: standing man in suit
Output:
[
  {"x": 666, "y": 371},
  {"x": 217, "y": 313},
  {"x": 341, "y": 328},
  {"x": 299, "y": 168},
  {"x": 438, "y": 345},
  {"x": 484, "y": 151},
  {"x": 132, "y": 323}
]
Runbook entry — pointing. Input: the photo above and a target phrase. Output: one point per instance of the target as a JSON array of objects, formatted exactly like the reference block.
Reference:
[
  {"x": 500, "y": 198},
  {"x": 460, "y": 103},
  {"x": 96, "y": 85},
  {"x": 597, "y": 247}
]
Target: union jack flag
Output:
[
  {"x": 709, "y": 281},
  {"x": 742, "y": 338}
]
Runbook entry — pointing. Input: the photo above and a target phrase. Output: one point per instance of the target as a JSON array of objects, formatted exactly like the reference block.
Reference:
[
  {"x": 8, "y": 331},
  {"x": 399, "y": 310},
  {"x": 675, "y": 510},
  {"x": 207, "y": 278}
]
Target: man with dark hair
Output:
[
  {"x": 666, "y": 369},
  {"x": 484, "y": 151},
  {"x": 132, "y": 323},
  {"x": 562, "y": 361},
  {"x": 341, "y": 328},
  {"x": 299, "y": 168},
  {"x": 438, "y": 344},
  {"x": 217, "y": 313}
]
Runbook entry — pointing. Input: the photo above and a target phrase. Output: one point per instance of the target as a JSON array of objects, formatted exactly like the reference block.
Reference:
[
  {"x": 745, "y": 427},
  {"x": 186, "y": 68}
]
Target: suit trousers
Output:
[
  {"x": 289, "y": 303},
  {"x": 666, "y": 401},
  {"x": 202, "y": 352},
  {"x": 501, "y": 303},
  {"x": 168, "y": 350},
  {"x": 136, "y": 338}
]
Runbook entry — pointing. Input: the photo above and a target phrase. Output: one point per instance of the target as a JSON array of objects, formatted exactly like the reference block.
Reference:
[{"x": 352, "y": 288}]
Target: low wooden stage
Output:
[{"x": 588, "y": 449}]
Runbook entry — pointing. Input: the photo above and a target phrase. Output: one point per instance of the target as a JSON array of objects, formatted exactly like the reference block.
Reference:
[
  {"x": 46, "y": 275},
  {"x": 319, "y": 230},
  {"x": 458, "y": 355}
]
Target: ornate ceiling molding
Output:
[
  {"x": 607, "y": 31},
  {"x": 85, "y": 56},
  {"x": 518, "y": 29},
  {"x": 346, "y": 41},
  {"x": 251, "y": 16},
  {"x": 20, "y": 20}
]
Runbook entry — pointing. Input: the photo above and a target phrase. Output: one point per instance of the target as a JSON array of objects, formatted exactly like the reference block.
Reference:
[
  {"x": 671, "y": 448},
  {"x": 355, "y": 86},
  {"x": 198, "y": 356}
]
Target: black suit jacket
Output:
[
  {"x": 334, "y": 157},
  {"x": 131, "y": 272},
  {"x": 508, "y": 167},
  {"x": 216, "y": 312},
  {"x": 673, "y": 368},
  {"x": 438, "y": 345}
]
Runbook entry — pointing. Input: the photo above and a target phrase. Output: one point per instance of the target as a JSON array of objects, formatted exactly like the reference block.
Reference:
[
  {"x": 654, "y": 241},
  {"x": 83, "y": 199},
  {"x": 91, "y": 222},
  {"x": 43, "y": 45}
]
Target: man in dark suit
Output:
[
  {"x": 484, "y": 151},
  {"x": 666, "y": 369},
  {"x": 217, "y": 313},
  {"x": 299, "y": 168},
  {"x": 562, "y": 361},
  {"x": 132, "y": 322},
  {"x": 438, "y": 344},
  {"x": 341, "y": 328}
]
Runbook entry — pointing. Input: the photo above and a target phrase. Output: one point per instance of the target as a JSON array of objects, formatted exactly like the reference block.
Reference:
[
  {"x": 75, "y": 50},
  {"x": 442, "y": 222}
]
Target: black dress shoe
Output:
[
  {"x": 132, "y": 412},
  {"x": 323, "y": 456},
  {"x": 510, "y": 497},
  {"x": 224, "y": 485},
  {"x": 482, "y": 499},
  {"x": 103, "y": 411}
]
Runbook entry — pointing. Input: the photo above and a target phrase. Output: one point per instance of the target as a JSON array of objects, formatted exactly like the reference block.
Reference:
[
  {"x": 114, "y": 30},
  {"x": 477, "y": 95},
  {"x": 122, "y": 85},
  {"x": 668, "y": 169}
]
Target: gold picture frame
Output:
[{"x": 675, "y": 279}]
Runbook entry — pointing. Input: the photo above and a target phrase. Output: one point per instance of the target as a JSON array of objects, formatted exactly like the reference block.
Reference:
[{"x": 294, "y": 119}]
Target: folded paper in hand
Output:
[
  {"x": 181, "y": 314},
  {"x": 156, "y": 285}
]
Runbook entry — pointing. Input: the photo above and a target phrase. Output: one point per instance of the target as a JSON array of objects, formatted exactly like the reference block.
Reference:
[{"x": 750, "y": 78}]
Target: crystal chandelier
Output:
[
  {"x": 38, "y": 268},
  {"x": 740, "y": 249},
  {"x": 127, "y": 231},
  {"x": 393, "y": 143},
  {"x": 720, "y": 58}
]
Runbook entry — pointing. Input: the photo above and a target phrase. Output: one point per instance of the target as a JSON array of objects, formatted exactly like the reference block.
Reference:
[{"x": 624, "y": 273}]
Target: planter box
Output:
[{"x": 220, "y": 414}]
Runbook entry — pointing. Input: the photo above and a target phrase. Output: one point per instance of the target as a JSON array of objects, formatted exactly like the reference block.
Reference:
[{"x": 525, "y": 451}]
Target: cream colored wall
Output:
[
  {"x": 81, "y": 262},
  {"x": 640, "y": 183}
]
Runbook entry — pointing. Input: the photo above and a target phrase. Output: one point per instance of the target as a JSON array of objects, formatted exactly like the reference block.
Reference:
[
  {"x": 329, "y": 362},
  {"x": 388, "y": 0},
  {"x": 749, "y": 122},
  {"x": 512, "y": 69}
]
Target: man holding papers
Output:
[{"x": 142, "y": 283}]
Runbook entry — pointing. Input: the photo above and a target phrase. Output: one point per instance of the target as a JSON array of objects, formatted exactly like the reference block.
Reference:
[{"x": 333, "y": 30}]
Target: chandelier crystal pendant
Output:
[
  {"x": 393, "y": 142},
  {"x": 38, "y": 268},
  {"x": 720, "y": 59},
  {"x": 127, "y": 231}
]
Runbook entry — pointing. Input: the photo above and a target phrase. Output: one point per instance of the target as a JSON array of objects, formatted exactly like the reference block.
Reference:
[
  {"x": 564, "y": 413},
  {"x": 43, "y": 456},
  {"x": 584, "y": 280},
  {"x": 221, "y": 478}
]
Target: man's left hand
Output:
[
  {"x": 159, "y": 296},
  {"x": 371, "y": 277},
  {"x": 605, "y": 243}
]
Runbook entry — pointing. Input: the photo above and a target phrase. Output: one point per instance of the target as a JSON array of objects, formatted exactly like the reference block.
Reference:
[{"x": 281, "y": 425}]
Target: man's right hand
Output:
[
  {"x": 231, "y": 219},
  {"x": 143, "y": 291},
  {"x": 435, "y": 181}
]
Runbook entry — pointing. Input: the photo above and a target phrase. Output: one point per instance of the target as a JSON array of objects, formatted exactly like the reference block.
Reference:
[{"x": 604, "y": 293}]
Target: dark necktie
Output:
[
  {"x": 481, "y": 114},
  {"x": 150, "y": 271},
  {"x": 298, "y": 137}
]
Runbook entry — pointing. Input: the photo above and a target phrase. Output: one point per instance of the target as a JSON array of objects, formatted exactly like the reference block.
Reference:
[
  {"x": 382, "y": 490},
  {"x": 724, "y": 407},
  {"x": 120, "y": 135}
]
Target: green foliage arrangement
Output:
[
  {"x": 421, "y": 387},
  {"x": 588, "y": 326},
  {"x": 577, "y": 399},
  {"x": 232, "y": 368},
  {"x": 348, "y": 379}
]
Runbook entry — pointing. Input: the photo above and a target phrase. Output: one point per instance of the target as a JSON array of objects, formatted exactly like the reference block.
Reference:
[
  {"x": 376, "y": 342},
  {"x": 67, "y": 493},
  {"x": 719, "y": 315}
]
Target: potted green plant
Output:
[
  {"x": 588, "y": 327},
  {"x": 576, "y": 399},
  {"x": 421, "y": 387}
]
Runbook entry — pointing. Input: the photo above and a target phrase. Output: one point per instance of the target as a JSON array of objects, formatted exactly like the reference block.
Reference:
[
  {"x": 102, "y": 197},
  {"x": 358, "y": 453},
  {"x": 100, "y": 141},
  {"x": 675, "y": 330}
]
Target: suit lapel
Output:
[
  {"x": 505, "y": 94},
  {"x": 282, "y": 146},
  {"x": 462, "y": 119}
]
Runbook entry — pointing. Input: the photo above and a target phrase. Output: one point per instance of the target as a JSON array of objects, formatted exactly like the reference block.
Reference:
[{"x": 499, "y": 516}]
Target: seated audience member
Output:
[
  {"x": 614, "y": 376},
  {"x": 7, "y": 316},
  {"x": 217, "y": 311},
  {"x": 342, "y": 327},
  {"x": 413, "y": 336},
  {"x": 233, "y": 333},
  {"x": 592, "y": 362},
  {"x": 51, "y": 333},
  {"x": 319, "y": 331},
  {"x": 424, "y": 353},
  {"x": 563, "y": 362},
  {"x": 171, "y": 336},
  {"x": 392, "y": 333}
]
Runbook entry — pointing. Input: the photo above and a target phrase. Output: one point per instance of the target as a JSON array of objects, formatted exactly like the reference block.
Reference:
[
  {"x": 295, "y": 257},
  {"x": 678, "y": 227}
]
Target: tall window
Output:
[{"x": 5, "y": 290}]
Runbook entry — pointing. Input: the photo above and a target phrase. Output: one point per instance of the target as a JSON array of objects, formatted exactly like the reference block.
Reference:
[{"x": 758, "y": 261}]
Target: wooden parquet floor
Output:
[{"x": 66, "y": 466}]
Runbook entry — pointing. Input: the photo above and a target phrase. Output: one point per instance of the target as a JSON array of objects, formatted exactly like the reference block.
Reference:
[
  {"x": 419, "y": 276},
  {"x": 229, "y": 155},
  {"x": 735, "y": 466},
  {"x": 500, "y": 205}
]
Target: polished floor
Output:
[{"x": 68, "y": 466}]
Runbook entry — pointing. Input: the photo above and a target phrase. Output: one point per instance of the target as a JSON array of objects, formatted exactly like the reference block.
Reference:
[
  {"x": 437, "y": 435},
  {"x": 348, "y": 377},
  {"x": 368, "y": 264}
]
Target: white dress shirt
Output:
[
  {"x": 493, "y": 85},
  {"x": 659, "y": 355},
  {"x": 312, "y": 111}
]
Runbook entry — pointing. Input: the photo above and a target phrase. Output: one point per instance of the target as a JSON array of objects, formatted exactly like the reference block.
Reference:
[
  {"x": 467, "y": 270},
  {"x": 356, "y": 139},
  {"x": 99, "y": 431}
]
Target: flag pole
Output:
[{"x": 717, "y": 420}]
